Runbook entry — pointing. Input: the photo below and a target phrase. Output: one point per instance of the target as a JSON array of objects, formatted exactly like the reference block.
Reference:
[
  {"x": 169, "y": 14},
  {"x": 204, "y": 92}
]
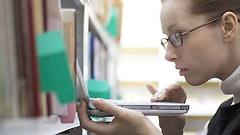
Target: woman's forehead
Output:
[
  {"x": 175, "y": 8},
  {"x": 174, "y": 12}
]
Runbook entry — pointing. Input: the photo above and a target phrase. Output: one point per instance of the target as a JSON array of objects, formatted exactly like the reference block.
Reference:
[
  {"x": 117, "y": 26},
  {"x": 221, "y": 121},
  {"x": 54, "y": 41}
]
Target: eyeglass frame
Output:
[{"x": 181, "y": 35}]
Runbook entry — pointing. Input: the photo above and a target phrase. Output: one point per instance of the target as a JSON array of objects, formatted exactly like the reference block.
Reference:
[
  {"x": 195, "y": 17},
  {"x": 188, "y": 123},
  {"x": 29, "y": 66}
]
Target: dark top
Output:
[{"x": 226, "y": 121}]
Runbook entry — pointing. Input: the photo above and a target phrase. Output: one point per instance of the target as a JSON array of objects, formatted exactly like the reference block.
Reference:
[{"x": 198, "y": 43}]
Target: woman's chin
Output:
[{"x": 195, "y": 82}]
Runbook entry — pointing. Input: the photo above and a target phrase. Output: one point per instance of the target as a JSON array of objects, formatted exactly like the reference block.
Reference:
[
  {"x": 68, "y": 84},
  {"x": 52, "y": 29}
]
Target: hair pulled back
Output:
[{"x": 214, "y": 8}]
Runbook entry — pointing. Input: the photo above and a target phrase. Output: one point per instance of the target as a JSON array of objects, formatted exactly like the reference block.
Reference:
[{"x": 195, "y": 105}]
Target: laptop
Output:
[{"x": 147, "y": 108}]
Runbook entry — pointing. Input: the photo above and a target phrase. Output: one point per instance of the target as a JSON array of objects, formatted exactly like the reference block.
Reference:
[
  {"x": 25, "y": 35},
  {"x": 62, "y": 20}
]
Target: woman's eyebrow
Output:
[{"x": 170, "y": 28}]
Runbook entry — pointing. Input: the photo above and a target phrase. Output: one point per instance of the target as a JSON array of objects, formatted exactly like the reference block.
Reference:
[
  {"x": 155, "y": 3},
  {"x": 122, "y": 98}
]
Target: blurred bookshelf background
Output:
[{"x": 116, "y": 42}]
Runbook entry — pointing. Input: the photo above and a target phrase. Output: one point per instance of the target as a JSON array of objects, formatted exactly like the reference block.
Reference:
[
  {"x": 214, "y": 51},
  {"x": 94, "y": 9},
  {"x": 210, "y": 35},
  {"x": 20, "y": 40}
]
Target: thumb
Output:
[{"x": 108, "y": 107}]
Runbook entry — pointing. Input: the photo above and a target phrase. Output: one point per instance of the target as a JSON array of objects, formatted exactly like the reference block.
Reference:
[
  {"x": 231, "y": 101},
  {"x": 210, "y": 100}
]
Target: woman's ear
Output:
[{"x": 230, "y": 26}]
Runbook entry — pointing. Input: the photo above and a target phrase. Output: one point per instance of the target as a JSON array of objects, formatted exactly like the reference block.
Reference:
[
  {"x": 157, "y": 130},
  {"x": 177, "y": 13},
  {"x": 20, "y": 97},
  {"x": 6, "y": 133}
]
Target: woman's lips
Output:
[{"x": 183, "y": 71}]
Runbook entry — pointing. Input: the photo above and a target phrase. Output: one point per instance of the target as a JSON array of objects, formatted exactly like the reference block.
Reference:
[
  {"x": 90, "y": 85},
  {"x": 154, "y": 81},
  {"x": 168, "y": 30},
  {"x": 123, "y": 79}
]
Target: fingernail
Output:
[
  {"x": 157, "y": 94},
  {"x": 148, "y": 85},
  {"x": 167, "y": 87},
  {"x": 98, "y": 100},
  {"x": 160, "y": 98},
  {"x": 153, "y": 98}
]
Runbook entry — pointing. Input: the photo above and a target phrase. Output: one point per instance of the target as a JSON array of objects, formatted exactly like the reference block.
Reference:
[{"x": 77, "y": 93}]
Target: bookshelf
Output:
[
  {"x": 111, "y": 50},
  {"x": 93, "y": 28},
  {"x": 24, "y": 108},
  {"x": 51, "y": 113},
  {"x": 82, "y": 30},
  {"x": 47, "y": 125},
  {"x": 89, "y": 28}
]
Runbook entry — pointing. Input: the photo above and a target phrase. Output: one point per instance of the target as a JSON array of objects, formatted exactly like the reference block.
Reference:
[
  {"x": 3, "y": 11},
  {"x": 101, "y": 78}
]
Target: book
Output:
[
  {"x": 69, "y": 31},
  {"x": 32, "y": 77},
  {"x": 29, "y": 89},
  {"x": 20, "y": 51},
  {"x": 2, "y": 63},
  {"x": 12, "y": 58},
  {"x": 8, "y": 63},
  {"x": 38, "y": 21},
  {"x": 52, "y": 21},
  {"x": 98, "y": 58}
]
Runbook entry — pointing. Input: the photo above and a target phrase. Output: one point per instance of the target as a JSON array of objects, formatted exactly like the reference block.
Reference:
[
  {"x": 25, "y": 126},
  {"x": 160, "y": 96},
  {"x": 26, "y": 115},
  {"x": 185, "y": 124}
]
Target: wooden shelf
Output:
[
  {"x": 137, "y": 83},
  {"x": 36, "y": 126},
  {"x": 139, "y": 51}
]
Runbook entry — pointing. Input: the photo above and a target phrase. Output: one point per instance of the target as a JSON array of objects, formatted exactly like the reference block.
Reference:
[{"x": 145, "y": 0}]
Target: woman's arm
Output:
[
  {"x": 125, "y": 122},
  {"x": 172, "y": 125}
]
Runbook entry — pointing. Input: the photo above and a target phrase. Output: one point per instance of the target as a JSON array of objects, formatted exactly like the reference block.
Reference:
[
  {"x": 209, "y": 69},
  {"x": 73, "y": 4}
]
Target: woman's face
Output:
[{"x": 201, "y": 56}]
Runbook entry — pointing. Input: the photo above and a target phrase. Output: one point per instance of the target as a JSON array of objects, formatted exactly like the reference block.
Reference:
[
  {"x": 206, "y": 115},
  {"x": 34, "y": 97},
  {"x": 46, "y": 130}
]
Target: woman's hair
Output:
[{"x": 215, "y": 8}]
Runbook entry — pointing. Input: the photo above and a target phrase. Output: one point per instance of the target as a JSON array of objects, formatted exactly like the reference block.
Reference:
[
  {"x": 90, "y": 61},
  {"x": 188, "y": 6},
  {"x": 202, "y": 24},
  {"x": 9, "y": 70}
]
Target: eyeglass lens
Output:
[{"x": 176, "y": 39}]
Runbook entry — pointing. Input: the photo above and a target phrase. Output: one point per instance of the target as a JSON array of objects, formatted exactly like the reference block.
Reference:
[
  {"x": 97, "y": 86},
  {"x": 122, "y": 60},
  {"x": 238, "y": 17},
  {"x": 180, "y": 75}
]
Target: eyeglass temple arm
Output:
[{"x": 202, "y": 26}]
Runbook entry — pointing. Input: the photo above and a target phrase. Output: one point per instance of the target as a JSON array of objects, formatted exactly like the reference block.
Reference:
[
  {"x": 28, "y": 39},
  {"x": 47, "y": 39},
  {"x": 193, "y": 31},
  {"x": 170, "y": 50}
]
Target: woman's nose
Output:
[{"x": 171, "y": 54}]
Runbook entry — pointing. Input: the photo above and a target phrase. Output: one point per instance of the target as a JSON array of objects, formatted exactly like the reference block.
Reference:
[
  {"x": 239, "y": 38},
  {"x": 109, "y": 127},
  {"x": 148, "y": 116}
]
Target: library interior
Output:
[{"x": 117, "y": 46}]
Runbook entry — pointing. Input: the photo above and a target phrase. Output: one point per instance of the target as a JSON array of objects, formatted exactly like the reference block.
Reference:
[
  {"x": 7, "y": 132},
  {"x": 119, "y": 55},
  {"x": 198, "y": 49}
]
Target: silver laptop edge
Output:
[{"x": 147, "y": 108}]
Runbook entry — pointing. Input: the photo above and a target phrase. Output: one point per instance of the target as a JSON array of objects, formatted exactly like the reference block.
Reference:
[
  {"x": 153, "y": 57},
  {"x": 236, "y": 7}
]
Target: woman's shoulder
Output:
[{"x": 227, "y": 102}]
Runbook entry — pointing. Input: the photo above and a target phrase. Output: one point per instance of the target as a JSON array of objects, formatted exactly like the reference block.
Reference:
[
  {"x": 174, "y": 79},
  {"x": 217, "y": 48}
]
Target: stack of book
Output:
[{"x": 37, "y": 54}]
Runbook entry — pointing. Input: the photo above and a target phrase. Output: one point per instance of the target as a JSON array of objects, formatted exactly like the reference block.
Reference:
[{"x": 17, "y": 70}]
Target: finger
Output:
[
  {"x": 154, "y": 92},
  {"x": 178, "y": 91},
  {"x": 174, "y": 87},
  {"x": 82, "y": 109},
  {"x": 109, "y": 108},
  {"x": 151, "y": 89},
  {"x": 82, "y": 113},
  {"x": 169, "y": 94},
  {"x": 161, "y": 96},
  {"x": 87, "y": 123},
  {"x": 156, "y": 96}
]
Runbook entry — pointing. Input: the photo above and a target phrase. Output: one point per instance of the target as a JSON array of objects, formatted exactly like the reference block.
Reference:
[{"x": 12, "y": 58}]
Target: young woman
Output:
[{"x": 203, "y": 40}]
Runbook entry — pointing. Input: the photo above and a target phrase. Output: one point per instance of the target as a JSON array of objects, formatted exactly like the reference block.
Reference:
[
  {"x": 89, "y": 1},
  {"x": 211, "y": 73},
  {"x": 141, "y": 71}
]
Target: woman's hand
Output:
[
  {"x": 125, "y": 122},
  {"x": 172, "y": 93},
  {"x": 170, "y": 125}
]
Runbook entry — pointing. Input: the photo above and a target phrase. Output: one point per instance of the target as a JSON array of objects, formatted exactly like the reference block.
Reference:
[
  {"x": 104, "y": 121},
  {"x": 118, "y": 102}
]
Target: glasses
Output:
[{"x": 176, "y": 39}]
